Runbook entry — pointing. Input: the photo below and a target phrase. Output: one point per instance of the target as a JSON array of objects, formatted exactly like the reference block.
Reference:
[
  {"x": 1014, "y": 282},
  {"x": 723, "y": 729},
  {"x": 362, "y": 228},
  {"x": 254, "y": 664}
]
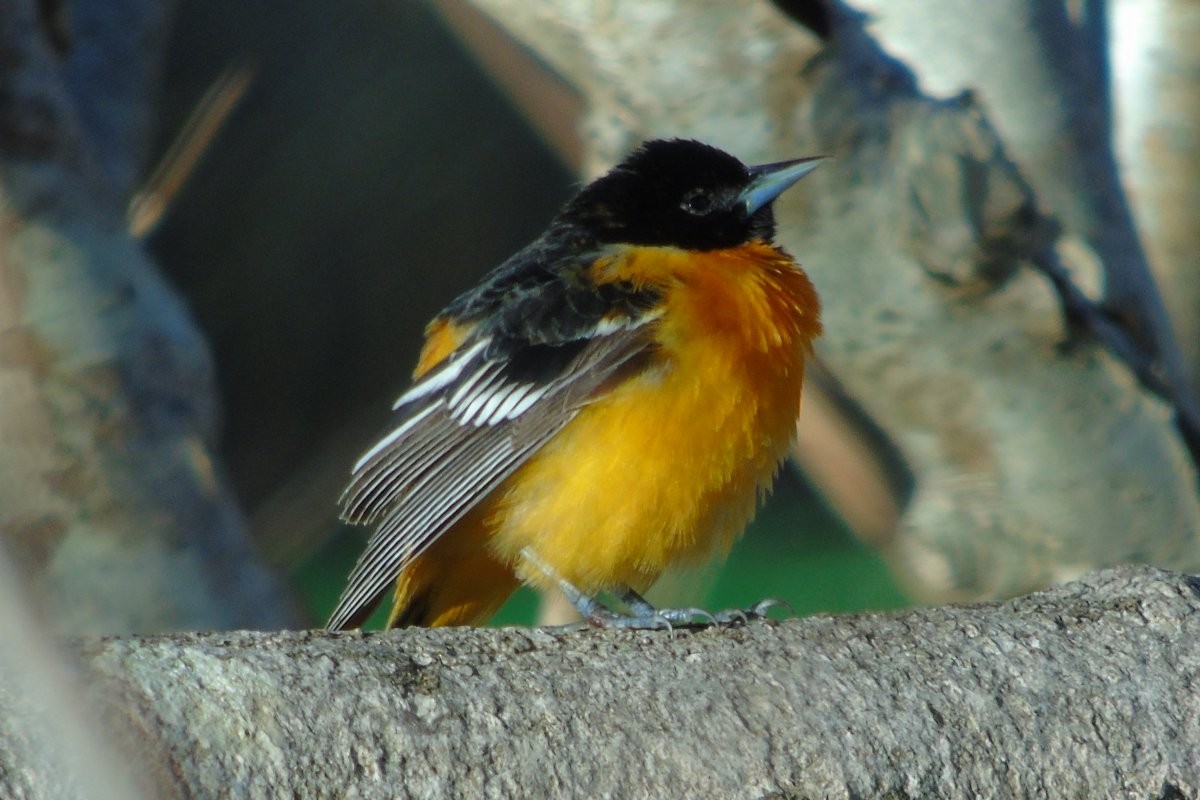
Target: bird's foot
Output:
[
  {"x": 758, "y": 611},
  {"x": 642, "y": 615}
]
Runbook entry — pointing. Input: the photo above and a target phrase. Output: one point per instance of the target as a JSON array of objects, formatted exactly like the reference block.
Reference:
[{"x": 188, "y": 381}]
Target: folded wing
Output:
[{"x": 463, "y": 428}]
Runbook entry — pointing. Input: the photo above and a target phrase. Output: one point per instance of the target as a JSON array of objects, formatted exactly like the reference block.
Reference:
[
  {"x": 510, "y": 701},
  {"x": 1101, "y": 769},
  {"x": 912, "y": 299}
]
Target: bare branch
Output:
[{"x": 1086, "y": 690}]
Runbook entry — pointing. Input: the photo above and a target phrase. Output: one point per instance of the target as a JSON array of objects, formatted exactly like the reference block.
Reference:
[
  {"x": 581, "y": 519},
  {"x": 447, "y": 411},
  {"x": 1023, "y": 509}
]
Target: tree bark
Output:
[
  {"x": 1042, "y": 72},
  {"x": 1155, "y": 57},
  {"x": 50, "y": 743},
  {"x": 111, "y": 501},
  {"x": 1085, "y": 690}
]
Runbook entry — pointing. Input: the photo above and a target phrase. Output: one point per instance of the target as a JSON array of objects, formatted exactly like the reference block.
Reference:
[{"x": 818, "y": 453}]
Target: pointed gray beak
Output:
[{"x": 768, "y": 181}]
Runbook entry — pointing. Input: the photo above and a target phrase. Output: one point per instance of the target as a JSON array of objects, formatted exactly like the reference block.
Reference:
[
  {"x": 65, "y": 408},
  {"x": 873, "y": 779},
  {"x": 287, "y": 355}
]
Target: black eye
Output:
[{"x": 697, "y": 201}]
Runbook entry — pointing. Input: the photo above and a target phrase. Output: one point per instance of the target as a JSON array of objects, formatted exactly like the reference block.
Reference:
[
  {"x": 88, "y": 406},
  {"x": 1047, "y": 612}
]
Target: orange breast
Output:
[{"x": 671, "y": 464}]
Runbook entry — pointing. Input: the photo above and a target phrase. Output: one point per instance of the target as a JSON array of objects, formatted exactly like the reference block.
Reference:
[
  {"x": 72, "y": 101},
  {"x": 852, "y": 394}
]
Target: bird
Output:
[{"x": 613, "y": 399}]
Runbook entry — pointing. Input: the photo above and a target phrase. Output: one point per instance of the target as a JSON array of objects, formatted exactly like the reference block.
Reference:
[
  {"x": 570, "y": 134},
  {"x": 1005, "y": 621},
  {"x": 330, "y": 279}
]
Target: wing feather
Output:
[{"x": 456, "y": 442}]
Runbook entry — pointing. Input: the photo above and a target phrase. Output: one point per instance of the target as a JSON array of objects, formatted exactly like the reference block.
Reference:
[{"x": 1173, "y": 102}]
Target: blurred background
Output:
[
  {"x": 370, "y": 172},
  {"x": 999, "y": 402},
  {"x": 1003, "y": 242}
]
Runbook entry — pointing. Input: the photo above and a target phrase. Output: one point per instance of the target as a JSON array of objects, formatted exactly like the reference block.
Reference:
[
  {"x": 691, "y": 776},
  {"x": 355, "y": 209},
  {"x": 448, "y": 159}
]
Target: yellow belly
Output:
[
  {"x": 670, "y": 465},
  {"x": 664, "y": 468}
]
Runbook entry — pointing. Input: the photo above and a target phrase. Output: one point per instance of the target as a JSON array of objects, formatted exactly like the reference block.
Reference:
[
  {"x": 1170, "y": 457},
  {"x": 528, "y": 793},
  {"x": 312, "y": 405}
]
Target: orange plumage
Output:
[{"x": 664, "y": 455}]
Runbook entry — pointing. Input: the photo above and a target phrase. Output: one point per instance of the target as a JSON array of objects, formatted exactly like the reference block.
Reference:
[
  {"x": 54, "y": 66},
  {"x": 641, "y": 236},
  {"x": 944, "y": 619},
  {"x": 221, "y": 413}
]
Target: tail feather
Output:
[{"x": 434, "y": 591}]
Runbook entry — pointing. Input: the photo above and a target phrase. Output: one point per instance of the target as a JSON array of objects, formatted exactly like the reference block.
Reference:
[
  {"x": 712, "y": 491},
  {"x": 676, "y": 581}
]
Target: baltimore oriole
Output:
[{"x": 613, "y": 399}]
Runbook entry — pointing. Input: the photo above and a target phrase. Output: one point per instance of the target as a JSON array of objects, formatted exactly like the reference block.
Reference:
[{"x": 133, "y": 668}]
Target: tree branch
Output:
[{"x": 1085, "y": 690}]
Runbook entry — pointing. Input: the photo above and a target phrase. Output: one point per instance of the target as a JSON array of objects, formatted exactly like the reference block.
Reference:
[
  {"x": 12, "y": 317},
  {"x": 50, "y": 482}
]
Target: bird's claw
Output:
[
  {"x": 603, "y": 618},
  {"x": 671, "y": 618},
  {"x": 732, "y": 616},
  {"x": 756, "y": 612},
  {"x": 689, "y": 616},
  {"x": 759, "y": 610}
]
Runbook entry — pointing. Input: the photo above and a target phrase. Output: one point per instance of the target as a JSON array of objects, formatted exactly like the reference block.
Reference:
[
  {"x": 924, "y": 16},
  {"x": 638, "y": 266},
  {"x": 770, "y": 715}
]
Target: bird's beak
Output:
[{"x": 768, "y": 181}]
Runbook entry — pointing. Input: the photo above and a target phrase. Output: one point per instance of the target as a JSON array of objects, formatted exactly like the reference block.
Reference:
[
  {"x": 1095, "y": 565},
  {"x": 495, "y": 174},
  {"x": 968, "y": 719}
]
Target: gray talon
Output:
[
  {"x": 759, "y": 610},
  {"x": 601, "y": 617},
  {"x": 733, "y": 615},
  {"x": 643, "y": 616},
  {"x": 689, "y": 616}
]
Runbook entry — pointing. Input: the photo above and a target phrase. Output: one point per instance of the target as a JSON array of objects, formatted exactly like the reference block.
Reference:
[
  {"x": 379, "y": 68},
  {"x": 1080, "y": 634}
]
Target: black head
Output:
[{"x": 682, "y": 193}]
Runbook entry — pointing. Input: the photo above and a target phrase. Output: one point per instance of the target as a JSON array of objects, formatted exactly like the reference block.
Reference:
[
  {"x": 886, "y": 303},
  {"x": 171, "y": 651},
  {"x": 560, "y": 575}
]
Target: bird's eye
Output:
[{"x": 697, "y": 201}]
